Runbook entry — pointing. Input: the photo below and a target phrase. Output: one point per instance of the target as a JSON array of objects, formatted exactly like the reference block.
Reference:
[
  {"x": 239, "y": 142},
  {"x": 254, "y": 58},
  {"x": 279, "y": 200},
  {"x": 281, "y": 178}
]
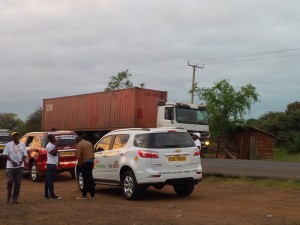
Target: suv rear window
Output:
[
  {"x": 66, "y": 140},
  {"x": 164, "y": 140},
  {"x": 63, "y": 140}
]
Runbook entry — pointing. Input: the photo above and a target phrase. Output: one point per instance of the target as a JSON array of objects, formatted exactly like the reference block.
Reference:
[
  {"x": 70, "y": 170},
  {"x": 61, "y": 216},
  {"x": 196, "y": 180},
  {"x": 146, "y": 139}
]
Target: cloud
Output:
[{"x": 56, "y": 48}]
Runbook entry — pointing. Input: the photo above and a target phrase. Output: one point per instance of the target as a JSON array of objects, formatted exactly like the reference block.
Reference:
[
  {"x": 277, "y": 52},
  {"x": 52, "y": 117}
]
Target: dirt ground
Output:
[{"x": 210, "y": 204}]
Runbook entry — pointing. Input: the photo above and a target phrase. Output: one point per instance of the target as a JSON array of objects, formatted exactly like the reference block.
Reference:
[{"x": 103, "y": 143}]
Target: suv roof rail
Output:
[
  {"x": 146, "y": 129},
  {"x": 129, "y": 129},
  {"x": 172, "y": 128}
]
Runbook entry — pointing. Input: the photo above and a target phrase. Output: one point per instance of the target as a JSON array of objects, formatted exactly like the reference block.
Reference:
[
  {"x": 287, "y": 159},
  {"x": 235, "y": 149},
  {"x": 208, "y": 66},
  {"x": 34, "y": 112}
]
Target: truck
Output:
[
  {"x": 95, "y": 114},
  {"x": 5, "y": 137}
]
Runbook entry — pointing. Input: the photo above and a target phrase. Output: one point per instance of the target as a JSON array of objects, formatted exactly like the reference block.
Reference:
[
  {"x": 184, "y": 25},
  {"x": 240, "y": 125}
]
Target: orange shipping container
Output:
[{"x": 134, "y": 107}]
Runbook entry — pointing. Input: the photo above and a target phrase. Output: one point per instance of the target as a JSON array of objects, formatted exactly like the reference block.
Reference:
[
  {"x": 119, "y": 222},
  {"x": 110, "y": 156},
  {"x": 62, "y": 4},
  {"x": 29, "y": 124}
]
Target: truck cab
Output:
[{"x": 190, "y": 117}]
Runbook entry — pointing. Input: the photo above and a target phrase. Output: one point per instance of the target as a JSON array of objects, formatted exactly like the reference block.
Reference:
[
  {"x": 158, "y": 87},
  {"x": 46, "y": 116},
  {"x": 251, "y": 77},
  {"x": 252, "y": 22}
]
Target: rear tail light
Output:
[
  {"x": 197, "y": 152},
  {"x": 148, "y": 154}
]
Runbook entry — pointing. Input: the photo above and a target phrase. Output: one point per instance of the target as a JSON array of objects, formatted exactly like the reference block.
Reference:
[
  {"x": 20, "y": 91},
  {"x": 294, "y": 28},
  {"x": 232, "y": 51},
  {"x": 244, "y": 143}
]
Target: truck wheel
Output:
[
  {"x": 80, "y": 181},
  {"x": 34, "y": 173},
  {"x": 130, "y": 188},
  {"x": 183, "y": 189}
]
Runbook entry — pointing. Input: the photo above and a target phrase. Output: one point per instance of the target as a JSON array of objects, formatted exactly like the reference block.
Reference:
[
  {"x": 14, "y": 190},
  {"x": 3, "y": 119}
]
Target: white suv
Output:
[{"x": 137, "y": 158}]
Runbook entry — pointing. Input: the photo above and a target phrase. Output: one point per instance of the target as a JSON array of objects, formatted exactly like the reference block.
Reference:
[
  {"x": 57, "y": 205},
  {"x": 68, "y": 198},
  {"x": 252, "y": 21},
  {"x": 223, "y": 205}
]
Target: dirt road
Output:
[{"x": 215, "y": 203}]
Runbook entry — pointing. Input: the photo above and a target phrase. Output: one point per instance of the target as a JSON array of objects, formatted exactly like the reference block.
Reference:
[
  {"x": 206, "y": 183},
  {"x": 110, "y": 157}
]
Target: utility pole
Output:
[{"x": 193, "y": 83}]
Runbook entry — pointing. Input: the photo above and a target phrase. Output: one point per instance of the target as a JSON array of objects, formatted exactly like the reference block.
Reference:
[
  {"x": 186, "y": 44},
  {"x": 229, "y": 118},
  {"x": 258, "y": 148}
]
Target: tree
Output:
[
  {"x": 226, "y": 106},
  {"x": 10, "y": 121},
  {"x": 121, "y": 81},
  {"x": 34, "y": 121}
]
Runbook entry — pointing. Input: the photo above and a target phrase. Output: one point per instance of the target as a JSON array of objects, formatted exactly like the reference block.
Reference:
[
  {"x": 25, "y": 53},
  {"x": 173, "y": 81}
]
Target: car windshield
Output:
[
  {"x": 5, "y": 137},
  {"x": 163, "y": 140},
  {"x": 191, "y": 116}
]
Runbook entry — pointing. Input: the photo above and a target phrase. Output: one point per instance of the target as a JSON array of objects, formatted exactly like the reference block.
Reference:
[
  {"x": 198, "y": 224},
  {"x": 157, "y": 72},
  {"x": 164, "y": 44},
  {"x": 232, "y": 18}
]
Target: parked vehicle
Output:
[
  {"x": 96, "y": 114},
  {"x": 5, "y": 137},
  {"x": 37, "y": 154},
  {"x": 138, "y": 158}
]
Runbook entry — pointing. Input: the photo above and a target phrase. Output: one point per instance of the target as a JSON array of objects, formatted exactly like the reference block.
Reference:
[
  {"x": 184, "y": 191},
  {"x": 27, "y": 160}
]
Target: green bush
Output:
[{"x": 294, "y": 147}]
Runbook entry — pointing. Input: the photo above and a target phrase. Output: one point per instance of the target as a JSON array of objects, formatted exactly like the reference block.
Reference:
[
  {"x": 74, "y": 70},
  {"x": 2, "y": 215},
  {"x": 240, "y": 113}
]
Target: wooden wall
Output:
[{"x": 254, "y": 144}]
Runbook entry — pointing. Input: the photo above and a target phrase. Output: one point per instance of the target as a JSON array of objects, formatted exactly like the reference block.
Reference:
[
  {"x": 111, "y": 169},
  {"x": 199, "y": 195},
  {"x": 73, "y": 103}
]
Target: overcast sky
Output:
[{"x": 67, "y": 47}]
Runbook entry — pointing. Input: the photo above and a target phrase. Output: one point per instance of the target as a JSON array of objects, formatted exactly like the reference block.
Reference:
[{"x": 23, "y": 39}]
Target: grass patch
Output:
[
  {"x": 273, "y": 183},
  {"x": 282, "y": 155}
]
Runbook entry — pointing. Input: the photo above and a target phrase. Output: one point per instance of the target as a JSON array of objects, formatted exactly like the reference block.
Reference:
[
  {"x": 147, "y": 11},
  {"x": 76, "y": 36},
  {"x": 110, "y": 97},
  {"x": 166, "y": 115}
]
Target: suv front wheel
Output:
[
  {"x": 183, "y": 189},
  {"x": 130, "y": 188}
]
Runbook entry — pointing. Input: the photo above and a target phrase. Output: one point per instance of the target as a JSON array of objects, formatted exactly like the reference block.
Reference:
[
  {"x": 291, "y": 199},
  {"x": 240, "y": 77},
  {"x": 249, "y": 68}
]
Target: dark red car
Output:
[{"x": 37, "y": 155}]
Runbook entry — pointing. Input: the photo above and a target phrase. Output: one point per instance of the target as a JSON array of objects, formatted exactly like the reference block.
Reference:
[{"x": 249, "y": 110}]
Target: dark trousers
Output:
[
  {"x": 14, "y": 177},
  {"x": 49, "y": 182},
  {"x": 88, "y": 180}
]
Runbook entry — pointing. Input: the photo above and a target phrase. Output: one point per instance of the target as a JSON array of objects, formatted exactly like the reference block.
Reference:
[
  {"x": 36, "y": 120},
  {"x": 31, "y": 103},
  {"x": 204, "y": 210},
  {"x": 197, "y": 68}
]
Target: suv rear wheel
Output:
[
  {"x": 183, "y": 189},
  {"x": 80, "y": 180},
  {"x": 34, "y": 173},
  {"x": 130, "y": 188}
]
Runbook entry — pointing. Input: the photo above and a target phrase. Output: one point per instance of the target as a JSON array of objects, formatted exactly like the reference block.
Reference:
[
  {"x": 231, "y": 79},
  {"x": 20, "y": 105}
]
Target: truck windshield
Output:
[{"x": 191, "y": 116}]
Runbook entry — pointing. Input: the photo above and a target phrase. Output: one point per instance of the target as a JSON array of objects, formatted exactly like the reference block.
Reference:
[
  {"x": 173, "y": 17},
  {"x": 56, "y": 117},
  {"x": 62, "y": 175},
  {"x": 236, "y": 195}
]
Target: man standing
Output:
[
  {"x": 196, "y": 138},
  {"x": 15, "y": 153},
  {"x": 85, "y": 157},
  {"x": 52, "y": 161}
]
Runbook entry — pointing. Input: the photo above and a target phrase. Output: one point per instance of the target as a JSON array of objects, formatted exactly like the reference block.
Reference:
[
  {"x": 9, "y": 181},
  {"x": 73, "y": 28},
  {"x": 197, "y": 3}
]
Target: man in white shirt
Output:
[
  {"x": 52, "y": 161},
  {"x": 15, "y": 153},
  {"x": 196, "y": 138}
]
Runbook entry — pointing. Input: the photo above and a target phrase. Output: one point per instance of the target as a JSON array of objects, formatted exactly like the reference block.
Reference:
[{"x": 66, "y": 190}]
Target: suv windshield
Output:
[
  {"x": 163, "y": 140},
  {"x": 191, "y": 116},
  {"x": 5, "y": 137}
]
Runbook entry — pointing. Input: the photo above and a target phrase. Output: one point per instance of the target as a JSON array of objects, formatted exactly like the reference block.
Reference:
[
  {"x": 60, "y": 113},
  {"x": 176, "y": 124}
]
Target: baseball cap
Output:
[
  {"x": 197, "y": 134},
  {"x": 14, "y": 133}
]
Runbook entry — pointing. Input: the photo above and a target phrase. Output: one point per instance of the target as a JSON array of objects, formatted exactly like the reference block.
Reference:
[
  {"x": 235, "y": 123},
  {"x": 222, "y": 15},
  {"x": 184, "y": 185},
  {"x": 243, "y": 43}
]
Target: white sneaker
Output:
[{"x": 81, "y": 198}]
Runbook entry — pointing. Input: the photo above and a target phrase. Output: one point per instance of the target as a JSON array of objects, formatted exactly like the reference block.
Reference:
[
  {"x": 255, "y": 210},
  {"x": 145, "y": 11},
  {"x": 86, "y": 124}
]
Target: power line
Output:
[{"x": 156, "y": 70}]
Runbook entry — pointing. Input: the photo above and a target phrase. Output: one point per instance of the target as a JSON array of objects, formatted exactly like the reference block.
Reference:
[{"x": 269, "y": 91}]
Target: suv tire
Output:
[
  {"x": 34, "y": 173},
  {"x": 80, "y": 180},
  {"x": 130, "y": 188},
  {"x": 183, "y": 189}
]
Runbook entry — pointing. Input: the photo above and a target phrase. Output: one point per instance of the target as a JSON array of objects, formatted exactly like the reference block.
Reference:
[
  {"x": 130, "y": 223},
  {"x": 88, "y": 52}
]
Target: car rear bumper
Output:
[
  {"x": 169, "y": 177},
  {"x": 62, "y": 166}
]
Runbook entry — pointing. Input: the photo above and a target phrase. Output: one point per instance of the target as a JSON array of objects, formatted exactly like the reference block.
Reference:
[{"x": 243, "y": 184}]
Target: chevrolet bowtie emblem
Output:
[{"x": 177, "y": 150}]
